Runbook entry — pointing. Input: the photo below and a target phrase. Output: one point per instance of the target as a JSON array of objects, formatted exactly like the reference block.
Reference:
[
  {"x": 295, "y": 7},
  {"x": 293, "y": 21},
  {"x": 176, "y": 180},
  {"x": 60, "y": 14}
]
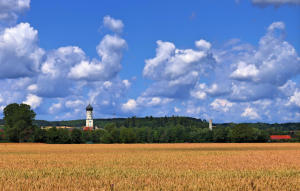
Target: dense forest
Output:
[{"x": 159, "y": 130}]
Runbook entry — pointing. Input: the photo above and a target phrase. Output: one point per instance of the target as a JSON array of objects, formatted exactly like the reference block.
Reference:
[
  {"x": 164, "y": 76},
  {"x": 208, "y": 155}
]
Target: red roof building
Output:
[
  {"x": 1, "y": 133},
  {"x": 88, "y": 128},
  {"x": 280, "y": 137}
]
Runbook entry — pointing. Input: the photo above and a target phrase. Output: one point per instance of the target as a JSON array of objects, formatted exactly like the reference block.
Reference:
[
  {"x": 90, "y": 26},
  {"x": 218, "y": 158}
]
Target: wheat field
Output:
[{"x": 273, "y": 166}]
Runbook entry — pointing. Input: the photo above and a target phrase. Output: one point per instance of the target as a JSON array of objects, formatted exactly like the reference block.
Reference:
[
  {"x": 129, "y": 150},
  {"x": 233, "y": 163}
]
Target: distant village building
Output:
[
  {"x": 57, "y": 127},
  {"x": 210, "y": 126},
  {"x": 280, "y": 137},
  {"x": 89, "y": 118}
]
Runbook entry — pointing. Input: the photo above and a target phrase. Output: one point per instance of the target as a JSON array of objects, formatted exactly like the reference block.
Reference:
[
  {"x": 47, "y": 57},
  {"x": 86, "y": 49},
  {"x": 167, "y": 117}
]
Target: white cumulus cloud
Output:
[
  {"x": 245, "y": 72},
  {"x": 250, "y": 113},
  {"x": 176, "y": 71},
  {"x": 9, "y": 9},
  {"x": 274, "y": 62},
  {"x": 110, "y": 50},
  {"x": 115, "y": 25},
  {"x": 33, "y": 100},
  {"x": 221, "y": 105},
  {"x": 203, "y": 44},
  {"x": 295, "y": 99},
  {"x": 20, "y": 55},
  {"x": 55, "y": 107},
  {"x": 129, "y": 106}
]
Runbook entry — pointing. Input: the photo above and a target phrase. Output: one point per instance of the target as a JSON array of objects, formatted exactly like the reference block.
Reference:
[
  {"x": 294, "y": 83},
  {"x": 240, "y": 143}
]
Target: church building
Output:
[{"x": 89, "y": 125}]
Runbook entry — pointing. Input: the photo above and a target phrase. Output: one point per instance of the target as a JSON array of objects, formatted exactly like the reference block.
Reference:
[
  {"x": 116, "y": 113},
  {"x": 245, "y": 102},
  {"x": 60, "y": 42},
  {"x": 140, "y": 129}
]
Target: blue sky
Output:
[{"x": 232, "y": 61}]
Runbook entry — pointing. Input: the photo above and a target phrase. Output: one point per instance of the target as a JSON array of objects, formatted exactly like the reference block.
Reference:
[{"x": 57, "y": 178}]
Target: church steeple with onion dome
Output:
[{"x": 89, "y": 117}]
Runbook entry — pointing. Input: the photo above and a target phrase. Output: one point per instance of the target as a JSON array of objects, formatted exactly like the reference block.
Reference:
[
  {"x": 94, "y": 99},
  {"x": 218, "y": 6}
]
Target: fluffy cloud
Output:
[
  {"x": 171, "y": 63},
  {"x": 64, "y": 78},
  {"x": 245, "y": 72},
  {"x": 211, "y": 82},
  {"x": 176, "y": 109},
  {"x": 141, "y": 102},
  {"x": 221, "y": 105},
  {"x": 194, "y": 110},
  {"x": 53, "y": 81},
  {"x": 176, "y": 71},
  {"x": 9, "y": 9},
  {"x": 288, "y": 88},
  {"x": 54, "y": 107},
  {"x": 203, "y": 44},
  {"x": 110, "y": 50},
  {"x": 59, "y": 61},
  {"x": 295, "y": 99},
  {"x": 107, "y": 96},
  {"x": 20, "y": 55},
  {"x": 275, "y": 2},
  {"x": 130, "y": 105},
  {"x": 153, "y": 101},
  {"x": 126, "y": 83},
  {"x": 115, "y": 25},
  {"x": 275, "y": 61},
  {"x": 265, "y": 72},
  {"x": 74, "y": 103},
  {"x": 201, "y": 91},
  {"x": 243, "y": 91},
  {"x": 250, "y": 113},
  {"x": 33, "y": 100}
]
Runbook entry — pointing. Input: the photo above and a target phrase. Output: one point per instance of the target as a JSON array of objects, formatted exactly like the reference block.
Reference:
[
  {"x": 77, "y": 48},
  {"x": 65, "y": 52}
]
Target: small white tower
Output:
[
  {"x": 89, "y": 116},
  {"x": 210, "y": 126}
]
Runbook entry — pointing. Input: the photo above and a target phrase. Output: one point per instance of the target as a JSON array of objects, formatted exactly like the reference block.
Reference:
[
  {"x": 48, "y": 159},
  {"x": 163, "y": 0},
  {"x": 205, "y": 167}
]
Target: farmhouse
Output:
[
  {"x": 57, "y": 127},
  {"x": 280, "y": 137}
]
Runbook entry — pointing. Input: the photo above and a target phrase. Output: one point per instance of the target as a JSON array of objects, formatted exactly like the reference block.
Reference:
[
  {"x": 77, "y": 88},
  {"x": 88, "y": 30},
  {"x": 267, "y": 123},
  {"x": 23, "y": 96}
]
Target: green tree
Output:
[
  {"x": 40, "y": 135},
  {"x": 18, "y": 119},
  {"x": 96, "y": 136},
  {"x": 105, "y": 137},
  {"x": 109, "y": 126},
  {"x": 52, "y": 135},
  {"x": 76, "y": 136},
  {"x": 87, "y": 136},
  {"x": 244, "y": 133},
  {"x": 58, "y": 136},
  {"x": 64, "y": 136},
  {"x": 115, "y": 134},
  {"x": 127, "y": 135},
  {"x": 220, "y": 134}
]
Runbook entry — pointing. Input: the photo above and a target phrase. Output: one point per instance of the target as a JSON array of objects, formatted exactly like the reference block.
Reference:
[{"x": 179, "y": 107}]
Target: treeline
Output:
[
  {"x": 20, "y": 126},
  {"x": 153, "y": 122},
  {"x": 149, "y": 121},
  {"x": 152, "y": 130},
  {"x": 178, "y": 134}
]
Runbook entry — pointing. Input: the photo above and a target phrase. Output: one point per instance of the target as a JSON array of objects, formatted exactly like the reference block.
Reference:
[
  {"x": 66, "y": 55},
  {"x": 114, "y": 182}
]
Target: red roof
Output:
[
  {"x": 88, "y": 128},
  {"x": 278, "y": 137}
]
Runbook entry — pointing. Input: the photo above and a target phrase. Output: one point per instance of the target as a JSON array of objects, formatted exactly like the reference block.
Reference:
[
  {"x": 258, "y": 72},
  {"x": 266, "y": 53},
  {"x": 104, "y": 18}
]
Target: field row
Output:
[{"x": 150, "y": 167}]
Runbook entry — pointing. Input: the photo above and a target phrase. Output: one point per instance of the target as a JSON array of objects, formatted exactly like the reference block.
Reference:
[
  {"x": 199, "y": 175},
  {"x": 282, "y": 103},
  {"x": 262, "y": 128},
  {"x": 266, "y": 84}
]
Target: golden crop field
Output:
[{"x": 273, "y": 166}]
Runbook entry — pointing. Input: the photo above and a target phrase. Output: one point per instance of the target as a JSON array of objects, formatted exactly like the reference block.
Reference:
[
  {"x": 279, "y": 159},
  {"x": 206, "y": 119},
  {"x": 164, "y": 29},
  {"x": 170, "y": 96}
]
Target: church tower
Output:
[{"x": 89, "y": 117}]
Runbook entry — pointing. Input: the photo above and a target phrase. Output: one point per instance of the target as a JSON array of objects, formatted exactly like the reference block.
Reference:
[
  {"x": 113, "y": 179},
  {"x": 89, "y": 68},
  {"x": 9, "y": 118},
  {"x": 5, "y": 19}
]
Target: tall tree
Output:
[
  {"x": 76, "y": 136},
  {"x": 18, "y": 120}
]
